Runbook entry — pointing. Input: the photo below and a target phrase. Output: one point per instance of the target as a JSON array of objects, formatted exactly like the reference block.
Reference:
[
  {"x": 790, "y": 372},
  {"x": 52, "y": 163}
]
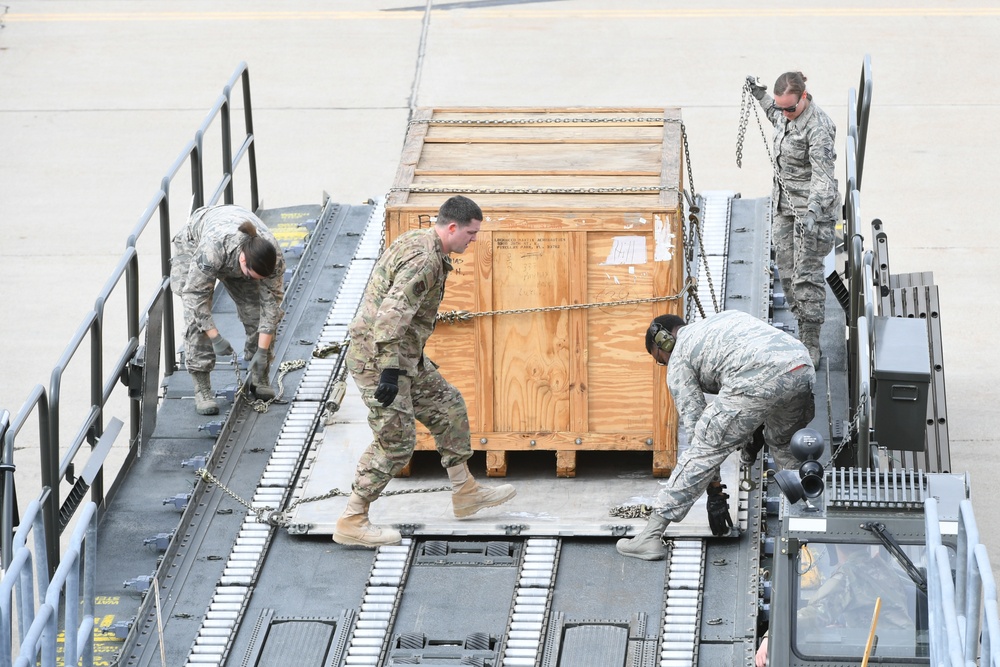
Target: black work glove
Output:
[
  {"x": 718, "y": 510},
  {"x": 388, "y": 387},
  {"x": 750, "y": 450},
  {"x": 756, "y": 89},
  {"x": 221, "y": 346}
]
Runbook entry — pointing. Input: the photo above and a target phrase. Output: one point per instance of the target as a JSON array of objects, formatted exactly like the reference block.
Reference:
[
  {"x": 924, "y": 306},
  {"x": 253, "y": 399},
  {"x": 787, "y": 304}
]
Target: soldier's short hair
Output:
[
  {"x": 668, "y": 322},
  {"x": 460, "y": 210}
]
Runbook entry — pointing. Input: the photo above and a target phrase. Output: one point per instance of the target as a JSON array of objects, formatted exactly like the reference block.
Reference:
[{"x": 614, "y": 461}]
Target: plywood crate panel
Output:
[{"x": 581, "y": 208}]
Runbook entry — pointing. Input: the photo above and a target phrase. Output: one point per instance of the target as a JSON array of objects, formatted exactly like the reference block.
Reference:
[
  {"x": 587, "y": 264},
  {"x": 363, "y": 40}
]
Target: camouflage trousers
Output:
[
  {"x": 427, "y": 398},
  {"x": 783, "y": 406},
  {"x": 799, "y": 256},
  {"x": 198, "y": 353}
]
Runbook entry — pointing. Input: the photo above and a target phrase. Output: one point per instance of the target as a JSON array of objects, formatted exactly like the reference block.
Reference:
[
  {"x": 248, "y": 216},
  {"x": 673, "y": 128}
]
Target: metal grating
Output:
[{"x": 866, "y": 488}]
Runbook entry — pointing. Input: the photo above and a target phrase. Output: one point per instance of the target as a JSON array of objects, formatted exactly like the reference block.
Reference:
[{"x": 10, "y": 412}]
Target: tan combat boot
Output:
[
  {"x": 647, "y": 545},
  {"x": 353, "y": 527},
  {"x": 204, "y": 401},
  {"x": 467, "y": 497},
  {"x": 809, "y": 335}
]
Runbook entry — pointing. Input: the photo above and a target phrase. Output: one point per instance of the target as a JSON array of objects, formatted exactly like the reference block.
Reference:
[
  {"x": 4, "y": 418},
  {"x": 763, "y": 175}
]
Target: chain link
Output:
[
  {"x": 631, "y": 511},
  {"x": 272, "y": 516},
  {"x": 454, "y": 316},
  {"x": 853, "y": 429},
  {"x": 258, "y": 405},
  {"x": 748, "y": 101},
  {"x": 544, "y": 120}
]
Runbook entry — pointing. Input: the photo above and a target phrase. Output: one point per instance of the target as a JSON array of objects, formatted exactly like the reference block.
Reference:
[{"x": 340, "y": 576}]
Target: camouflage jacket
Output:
[
  {"x": 400, "y": 305},
  {"x": 211, "y": 241},
  {"x": 730, "y": 350},
  {"x": 805, "y": 152}
]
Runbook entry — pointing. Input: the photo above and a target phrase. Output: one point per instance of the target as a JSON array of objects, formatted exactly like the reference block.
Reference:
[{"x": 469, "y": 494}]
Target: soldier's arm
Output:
[
  {"x": 199, "y": 288},
  {"x": 272, "y": 292},
  {"x": 822, "y": 159},
  {"x": 687, "y": 394},
  {"x": 410, "y": 285},
  {"x": 771, "y": 111}
]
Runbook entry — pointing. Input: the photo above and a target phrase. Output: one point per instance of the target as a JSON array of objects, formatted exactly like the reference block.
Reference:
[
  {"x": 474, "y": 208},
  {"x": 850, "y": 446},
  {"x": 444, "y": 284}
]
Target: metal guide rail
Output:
[{"x": 301, "y": 423}]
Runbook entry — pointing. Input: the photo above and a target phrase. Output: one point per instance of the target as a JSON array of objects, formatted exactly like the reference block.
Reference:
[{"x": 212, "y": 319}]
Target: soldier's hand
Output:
[
  {"x": 258, "y": 363},
  {"x": 718, "y": 510},
  {"x": 388, "y": 387},
  {"x": 750, "y": 450},
  {"x": 809, "y": 221},
  {"x": 756, "y": 89},
  {"x": 221, "y": 346}
]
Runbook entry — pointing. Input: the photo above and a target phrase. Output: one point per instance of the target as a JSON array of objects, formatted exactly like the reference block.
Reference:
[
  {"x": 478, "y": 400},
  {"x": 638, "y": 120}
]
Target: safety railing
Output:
[
  {"x": 74, "y": 582},
  {"x": 962, "y": 610},
  {"x": 149, "y": 335}
]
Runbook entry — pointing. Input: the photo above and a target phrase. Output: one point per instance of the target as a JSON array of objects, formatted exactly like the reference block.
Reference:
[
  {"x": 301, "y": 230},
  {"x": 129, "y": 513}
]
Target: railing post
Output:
[
  {"x": 166, "y": 246},
  {"x": 7, "y": 493},
  {"x": 251, "y": 149},
  {"x": 97, "y": 391},
  {"x": 227, "y": 146},
  {"x": 197, "y": 176}
]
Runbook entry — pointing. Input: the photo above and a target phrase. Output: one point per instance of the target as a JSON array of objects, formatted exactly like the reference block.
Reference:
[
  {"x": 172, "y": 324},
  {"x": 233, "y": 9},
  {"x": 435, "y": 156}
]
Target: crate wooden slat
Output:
[{"x": 581, "y": 206}]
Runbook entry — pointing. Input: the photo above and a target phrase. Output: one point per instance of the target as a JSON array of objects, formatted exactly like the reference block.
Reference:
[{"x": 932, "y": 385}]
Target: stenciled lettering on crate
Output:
[{"x": 581, "y": 207}]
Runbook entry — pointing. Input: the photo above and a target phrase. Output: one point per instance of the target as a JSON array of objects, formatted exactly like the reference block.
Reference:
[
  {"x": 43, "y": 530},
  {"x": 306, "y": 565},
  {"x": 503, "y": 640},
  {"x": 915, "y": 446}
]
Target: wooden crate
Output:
[{"x": 581, "y": 206}]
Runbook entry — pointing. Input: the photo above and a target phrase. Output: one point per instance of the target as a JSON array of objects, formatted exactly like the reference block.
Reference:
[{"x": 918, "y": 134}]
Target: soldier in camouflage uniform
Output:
[
  {"x": 761, "y": 376},
  {"x": 399, "y": 384},
  {"x": 228, "y": 244},
  {"x": 804, "y": 152}
]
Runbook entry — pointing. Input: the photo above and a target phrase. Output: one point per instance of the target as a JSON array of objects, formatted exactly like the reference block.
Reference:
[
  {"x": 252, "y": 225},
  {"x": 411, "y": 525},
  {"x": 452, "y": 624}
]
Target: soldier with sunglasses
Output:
[{"x": 805, "y": 203}]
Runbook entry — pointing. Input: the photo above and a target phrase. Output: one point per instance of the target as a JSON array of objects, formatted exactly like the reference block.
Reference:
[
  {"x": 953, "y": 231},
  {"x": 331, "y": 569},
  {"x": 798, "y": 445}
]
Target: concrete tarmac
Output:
[{"x": 98, "y": 98}]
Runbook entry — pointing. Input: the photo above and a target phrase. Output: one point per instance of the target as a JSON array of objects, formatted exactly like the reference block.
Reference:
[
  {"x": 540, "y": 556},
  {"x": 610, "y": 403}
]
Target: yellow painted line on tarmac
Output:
[{"x": 513, "y": 13}]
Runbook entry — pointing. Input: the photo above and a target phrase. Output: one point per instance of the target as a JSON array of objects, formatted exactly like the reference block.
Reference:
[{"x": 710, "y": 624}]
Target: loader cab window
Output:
[{"x": 836, "y": 586}]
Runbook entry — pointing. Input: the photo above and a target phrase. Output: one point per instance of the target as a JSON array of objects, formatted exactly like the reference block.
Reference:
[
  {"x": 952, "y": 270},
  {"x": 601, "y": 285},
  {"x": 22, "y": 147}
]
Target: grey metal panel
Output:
[
  {"x": 296, "y": 643},
  {"x": 748, "y": 285},
  {"x": 453, "y": 601},
  {"x": 595, "y": 582},
  {"x": 594, "y": 646},
  {"x": 914, "y": 295}
]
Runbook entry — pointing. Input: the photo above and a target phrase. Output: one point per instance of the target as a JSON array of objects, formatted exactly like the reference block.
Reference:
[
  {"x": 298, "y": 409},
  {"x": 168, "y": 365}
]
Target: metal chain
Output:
[
  {"x": 695, "y": 299},
  {"x": 631, "y": 511},
  {"x": 687, "y": 158},
  {"x": 696, "y": 224},
  {"x": 258, "y": 405},
  {"x": 453, "y": 316},
  {"x": 745, "y": 106},
  {"x": 545, "y": 120},
  {"x": 272, "y": 516},
  {"x": 853, "y": 429}
]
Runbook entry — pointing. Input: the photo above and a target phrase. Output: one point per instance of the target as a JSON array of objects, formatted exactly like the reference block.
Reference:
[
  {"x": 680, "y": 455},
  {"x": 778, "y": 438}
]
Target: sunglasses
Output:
[{"x": 788, "y": 109}]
